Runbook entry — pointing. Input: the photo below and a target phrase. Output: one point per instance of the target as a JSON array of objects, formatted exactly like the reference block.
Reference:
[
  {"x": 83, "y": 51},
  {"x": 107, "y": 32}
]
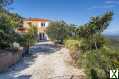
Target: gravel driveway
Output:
[{"x": 47, "y": 62}]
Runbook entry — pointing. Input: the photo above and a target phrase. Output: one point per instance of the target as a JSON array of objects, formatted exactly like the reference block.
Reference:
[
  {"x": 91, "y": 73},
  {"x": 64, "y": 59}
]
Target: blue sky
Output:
[{"x": 71, "y": 11}]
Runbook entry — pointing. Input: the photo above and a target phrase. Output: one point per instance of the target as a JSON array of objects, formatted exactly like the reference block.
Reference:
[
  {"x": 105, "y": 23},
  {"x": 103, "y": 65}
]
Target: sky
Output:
[{"x": 72, "y": 11}]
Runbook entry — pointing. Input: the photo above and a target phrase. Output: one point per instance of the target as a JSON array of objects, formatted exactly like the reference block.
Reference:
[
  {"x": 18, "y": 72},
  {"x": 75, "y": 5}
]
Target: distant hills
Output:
[
  {"x": 114, "y": 37},
  {"x": 114, "y": 40}
]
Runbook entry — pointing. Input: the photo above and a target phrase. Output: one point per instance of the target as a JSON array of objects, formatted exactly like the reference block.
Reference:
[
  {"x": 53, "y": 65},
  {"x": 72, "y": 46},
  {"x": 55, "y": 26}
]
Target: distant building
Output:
[{"x": 41, "y": 25}]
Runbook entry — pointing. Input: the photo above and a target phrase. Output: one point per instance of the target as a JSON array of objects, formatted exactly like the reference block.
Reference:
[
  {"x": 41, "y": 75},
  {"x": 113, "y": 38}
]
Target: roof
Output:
[{"x": 36, "y": 19}]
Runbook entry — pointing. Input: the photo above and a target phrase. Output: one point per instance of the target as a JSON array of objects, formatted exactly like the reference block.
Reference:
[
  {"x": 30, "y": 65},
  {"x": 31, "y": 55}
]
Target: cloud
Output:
[
  {"x": 112, "y": 30},
  {"x": 108, "y": 4},
  {"x": 112, "y": 2},
  {"x": 102, "y": 7}
]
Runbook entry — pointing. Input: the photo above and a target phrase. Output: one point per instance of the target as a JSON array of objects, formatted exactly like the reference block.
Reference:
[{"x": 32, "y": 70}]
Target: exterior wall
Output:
[
  {"x": 41, "y": 29},
  {"x": 25, "y": 24},
  {"x": 35, "y": 23},
  {"x": 11, "y": 57}
]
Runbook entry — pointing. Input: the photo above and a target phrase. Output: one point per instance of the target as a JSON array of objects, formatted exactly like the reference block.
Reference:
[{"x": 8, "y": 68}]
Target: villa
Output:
[{"x": 41, "y": 25}]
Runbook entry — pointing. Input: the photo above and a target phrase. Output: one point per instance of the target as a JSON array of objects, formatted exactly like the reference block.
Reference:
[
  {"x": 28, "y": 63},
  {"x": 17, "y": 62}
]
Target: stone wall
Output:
[{"x": 8, "y": 58}]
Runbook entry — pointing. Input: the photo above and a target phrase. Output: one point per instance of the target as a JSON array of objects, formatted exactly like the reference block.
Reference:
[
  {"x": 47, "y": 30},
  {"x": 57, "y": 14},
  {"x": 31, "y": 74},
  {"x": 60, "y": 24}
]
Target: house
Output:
[{"x": 41, "y": 25}]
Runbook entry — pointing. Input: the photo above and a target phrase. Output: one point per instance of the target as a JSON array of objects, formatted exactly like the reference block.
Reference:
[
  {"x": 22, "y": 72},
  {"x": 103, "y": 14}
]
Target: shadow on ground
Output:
[
  {"x": 44, "y": 49},
  {"x": 26, "y": 62},
  {"x": 14, "y": 71},
  {"x": 24, "y": 77}
]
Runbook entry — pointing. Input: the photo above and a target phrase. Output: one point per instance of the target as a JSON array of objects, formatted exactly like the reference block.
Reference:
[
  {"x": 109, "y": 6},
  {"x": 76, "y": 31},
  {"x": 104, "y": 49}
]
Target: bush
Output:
[
  {"x": 73, "y": 46},
  {"x": 8, "y": 23},
  {"x": 96, "y": 58},
  {"x": 96, "y": 42},
  {"x": 84, "y": 44},
  {"x": 97, "y": 63}
]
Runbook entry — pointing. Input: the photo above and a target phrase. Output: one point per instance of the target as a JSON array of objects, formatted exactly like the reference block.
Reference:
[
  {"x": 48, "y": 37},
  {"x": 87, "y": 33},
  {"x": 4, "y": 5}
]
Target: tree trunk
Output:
[
  {"x": 26, "y": 50},
  {"x": 95, "y": 45}
]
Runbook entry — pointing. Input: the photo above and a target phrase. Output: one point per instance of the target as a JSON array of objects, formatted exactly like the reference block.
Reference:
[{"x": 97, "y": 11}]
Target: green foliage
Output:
[
  {"x": 101, "y": 22},
  {"x": 8, "y": 23},
  {"x": 95, "y": 57},
  {"x": 71, "y": 29},
  {"x": 99, "y": 61},
  {"x": 94, "y": 42},
  {"x": 91, "y": 32},
  {"x": 58, "y": 31},
  {"x": 4, "y": 3},
  {"x": 97, "y": 25},
  {"x": 73, "y": 46},
  {"x": 29, "y": 38}
]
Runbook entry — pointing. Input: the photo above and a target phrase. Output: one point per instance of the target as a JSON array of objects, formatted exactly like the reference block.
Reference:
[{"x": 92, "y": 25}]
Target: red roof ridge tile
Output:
[{"x": 36, "y": 19}]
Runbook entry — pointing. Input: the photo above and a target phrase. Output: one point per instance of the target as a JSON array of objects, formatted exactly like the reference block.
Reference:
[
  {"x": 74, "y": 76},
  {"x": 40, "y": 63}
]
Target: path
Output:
[{"x": 47, "y": 62}]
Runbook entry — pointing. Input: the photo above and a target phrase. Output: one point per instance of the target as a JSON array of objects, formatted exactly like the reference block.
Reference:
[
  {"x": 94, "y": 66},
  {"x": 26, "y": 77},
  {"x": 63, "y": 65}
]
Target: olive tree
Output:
[
  {"x": 57, "y": 31},
  {"x": 28, "y": 39}
]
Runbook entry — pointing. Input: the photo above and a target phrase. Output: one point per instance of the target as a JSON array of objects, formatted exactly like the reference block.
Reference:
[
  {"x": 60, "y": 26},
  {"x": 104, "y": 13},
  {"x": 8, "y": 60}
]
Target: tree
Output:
[
  {"x": 71, "y": 29},
  {"x": 4, "y": 3},
  {"x": 91, "y": 31},
  {"x": 58, "y": 31},
  {"x": 101, "y": 22},
  {"x": 97, "y": 58},
  {"x": 8, "y": 23},
  {"x": 28, "y": 39}
]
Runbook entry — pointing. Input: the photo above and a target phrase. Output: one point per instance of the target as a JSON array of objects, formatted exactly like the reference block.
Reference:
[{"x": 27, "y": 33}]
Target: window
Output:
[{"x": 42, "y": 24}]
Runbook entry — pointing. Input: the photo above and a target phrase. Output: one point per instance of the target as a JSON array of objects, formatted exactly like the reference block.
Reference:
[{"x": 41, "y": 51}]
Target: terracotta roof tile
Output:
[{"x": 36, "y": 19}]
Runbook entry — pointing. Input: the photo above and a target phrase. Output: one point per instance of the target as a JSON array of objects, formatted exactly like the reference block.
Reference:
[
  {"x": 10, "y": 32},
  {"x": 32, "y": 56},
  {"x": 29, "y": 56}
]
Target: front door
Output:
[{"x": 41, "y": 36}]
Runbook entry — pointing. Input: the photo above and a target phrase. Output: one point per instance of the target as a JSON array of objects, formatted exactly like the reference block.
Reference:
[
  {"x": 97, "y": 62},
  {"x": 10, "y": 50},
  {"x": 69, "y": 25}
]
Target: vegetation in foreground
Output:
[
  {"x": 9, "y": 22},
  {"x": 96, "y": 56},
  {"x": 88, "y": 47}
]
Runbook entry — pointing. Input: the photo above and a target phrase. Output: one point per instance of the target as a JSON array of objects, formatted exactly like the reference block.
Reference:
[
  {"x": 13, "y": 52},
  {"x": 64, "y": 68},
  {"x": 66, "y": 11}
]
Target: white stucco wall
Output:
[
  {"x": 25, "y": 24},
  {"x": 46, "y": 24}
]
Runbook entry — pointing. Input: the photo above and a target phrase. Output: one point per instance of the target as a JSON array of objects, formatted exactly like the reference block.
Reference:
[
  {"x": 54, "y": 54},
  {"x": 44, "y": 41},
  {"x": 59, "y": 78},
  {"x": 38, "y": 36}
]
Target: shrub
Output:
[
  {"x": 8, "y": 23},
  {"x": 97, "y": 63},
  {"x": 84, "y": 44},
  {"x": 73, "y": 46},
  {"x": 96, "y": 42}
]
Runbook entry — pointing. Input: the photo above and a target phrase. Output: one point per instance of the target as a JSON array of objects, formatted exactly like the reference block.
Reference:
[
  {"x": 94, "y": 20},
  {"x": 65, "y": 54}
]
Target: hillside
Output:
[{"x": 114, "y": 40}]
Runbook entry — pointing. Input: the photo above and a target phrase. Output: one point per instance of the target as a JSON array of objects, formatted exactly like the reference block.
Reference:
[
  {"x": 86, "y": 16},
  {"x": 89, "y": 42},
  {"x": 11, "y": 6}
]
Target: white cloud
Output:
[
  {"x": 102, "y": 7},
  {"x": 107, "y": 5},
  {"x": 112, "y": 2},
  {"x": 112, "y": 31}
]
